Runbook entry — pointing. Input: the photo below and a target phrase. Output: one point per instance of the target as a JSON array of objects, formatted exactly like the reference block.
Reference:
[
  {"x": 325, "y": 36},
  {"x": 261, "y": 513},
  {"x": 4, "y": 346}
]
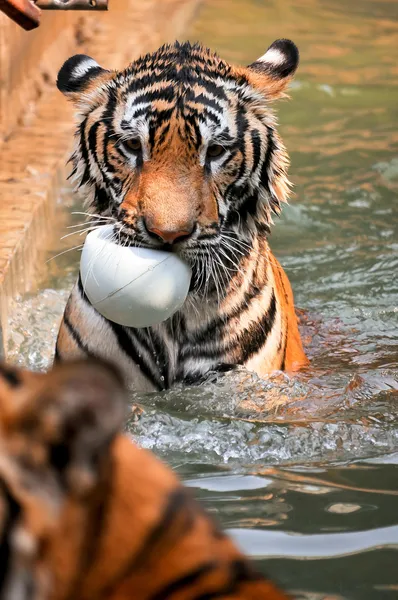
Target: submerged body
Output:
[
  {"x": 255, "y": 326},
  {"x": 180, "y": 152},
  {"x": 85, "y": 514}
]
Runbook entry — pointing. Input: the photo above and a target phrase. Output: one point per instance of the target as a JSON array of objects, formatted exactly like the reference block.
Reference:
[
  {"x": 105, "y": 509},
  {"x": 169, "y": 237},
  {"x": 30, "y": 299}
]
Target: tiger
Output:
[
  {"x": 180, "y": 152},
  {"x": 87, "y": 515}
]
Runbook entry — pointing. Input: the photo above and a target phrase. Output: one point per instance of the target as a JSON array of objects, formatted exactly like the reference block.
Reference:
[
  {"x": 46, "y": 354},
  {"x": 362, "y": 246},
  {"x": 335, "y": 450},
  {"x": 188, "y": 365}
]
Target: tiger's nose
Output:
[{"x": 169, "y": 236}]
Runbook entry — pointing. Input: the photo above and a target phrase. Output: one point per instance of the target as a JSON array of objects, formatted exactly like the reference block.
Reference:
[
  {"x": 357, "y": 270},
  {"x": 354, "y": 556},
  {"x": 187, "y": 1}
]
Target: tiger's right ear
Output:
[
  {"x": 272, "y": 72},
  {"x": 83, "y": 81}
]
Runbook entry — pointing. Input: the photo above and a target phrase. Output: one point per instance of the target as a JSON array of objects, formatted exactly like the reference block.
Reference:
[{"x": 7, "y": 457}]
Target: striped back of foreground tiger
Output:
[{"x": 86, "y": 515}]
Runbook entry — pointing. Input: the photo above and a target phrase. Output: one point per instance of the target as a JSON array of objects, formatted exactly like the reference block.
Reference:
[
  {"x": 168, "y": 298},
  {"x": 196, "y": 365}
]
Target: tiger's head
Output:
[
  {"x": 56, "y": 431},
  {"x": 180, "y": 149},
  {"x": 85, "y": 513}
]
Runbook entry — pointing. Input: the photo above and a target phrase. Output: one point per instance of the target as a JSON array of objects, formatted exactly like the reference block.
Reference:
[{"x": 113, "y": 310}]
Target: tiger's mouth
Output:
[
  {"x": 135, "y": 240},
  {"x": 214, "y": 260},
  {"x": 185, "y": 246}
]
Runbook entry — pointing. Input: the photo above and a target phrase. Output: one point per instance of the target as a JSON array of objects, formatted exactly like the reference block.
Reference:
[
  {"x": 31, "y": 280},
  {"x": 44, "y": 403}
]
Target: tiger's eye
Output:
[
  {"x": 133, "y": 144},
  {"x": 215, "y": 150}
]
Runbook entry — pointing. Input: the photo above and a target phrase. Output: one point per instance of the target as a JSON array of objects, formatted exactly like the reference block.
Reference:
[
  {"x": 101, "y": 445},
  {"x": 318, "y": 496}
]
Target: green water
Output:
[{"x": 310, "y": 490}]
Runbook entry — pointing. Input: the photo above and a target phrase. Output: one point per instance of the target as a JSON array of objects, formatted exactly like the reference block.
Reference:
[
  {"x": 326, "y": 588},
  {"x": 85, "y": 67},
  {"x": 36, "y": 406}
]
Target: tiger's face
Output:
[{"x": 180, "y": 149}]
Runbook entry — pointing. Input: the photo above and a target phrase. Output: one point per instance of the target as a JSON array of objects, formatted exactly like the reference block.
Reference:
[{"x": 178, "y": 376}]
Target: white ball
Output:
[{"x": 136, "y": 287}]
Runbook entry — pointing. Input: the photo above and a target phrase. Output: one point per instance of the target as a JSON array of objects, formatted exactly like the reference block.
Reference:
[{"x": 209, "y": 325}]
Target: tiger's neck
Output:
[{"x": 229, "y": 325}]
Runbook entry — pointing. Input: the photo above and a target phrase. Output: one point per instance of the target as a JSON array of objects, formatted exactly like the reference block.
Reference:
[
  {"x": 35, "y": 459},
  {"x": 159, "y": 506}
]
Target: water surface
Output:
[{"x": 302, "y": 470}]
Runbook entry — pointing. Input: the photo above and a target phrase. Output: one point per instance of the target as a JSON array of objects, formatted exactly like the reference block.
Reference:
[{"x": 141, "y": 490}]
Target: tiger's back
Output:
[{"x": 85, "y": 514}]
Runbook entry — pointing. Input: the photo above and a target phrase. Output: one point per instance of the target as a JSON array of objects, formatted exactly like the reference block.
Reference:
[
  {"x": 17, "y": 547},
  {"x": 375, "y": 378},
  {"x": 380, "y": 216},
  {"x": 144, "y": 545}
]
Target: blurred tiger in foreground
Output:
[
  {"x": 86, "y": 515},
  {"x": 180, "y": 152}
]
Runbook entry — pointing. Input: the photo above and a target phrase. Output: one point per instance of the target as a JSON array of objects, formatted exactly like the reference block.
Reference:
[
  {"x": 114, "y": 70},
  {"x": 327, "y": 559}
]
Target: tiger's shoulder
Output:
[
  {"x": 293, "y": 356},
  {"x": 86, "y": 514}
]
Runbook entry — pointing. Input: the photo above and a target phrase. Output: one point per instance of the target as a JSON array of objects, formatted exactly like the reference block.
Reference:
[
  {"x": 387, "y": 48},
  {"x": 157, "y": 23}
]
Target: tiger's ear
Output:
[
  {"x": 81, "y": 410},
  {"x": 82, "y": 80},
  {"x": 272, "y": 72},
  {"x": 57, "y": 428}
]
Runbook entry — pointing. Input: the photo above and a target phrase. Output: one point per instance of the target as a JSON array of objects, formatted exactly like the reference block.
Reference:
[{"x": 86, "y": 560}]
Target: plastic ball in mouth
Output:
[{"x": 135, "y": 287}]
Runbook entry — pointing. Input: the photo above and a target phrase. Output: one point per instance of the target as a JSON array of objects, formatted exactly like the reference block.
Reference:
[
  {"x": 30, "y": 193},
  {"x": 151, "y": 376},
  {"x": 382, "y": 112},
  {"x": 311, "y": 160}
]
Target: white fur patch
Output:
[
  {"x": 273, "y": 57},
  {"x": 83, "y": 68}
]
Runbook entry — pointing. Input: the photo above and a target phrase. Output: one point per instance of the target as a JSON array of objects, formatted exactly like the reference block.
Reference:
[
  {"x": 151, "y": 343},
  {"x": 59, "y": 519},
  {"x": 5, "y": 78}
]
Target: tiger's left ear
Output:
[
  {"x": 272, "y": 72},
  {"x": 83, "y": 81},
  {"x": 58, "y": 427}
]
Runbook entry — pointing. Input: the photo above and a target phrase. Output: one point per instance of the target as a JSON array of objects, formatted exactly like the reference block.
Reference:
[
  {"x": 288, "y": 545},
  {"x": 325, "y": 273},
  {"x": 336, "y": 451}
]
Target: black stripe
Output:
[
  {"x": 174, "y": 77},
  {"x": 107, "y": 121},
  {"x": 207, "y": 114},
  {"x": 255, "y": 337},
  {"x": 196, "y": 130},
  {"x": 101, "y": 200},
  {"x": 153, "y": 343},
  {"x": 10, "y": 374},
  {"x": 162, "y": 356},
  {"x": 233, "y": 151},
  {"x": 81, "y": 289},
  {"x": 186, "y": 581},
  {"x": 12, "y": 511},
  {"x": 140, "y": 112},
  {"x": 161, "y": 116},
  {"x": 126, "y": 344},
  {"x": 162, "y": 134},
  {"x": 256, "y": 143},
  {"x": 208, "y": 236},
  {"x": 241, "y": 125},
  {"x": 264, "y": 177},
  {"x": 77, "y": 84},
  {"x": 165, "y": 93},
  {"x": 76, "y": 337},
  {"x": 240, "y": 572},
  {"x": 84, "y": 152},
  {"x": 199, "y": 378},
  {"x": 57, "y": 356},
  {"x": 249, "y": 206},
  {"x": 283, "y": 363},
  {"x": 249, "y": 341},
  {"x": 174, "y": 522},
  {"x": 213, "y": 330},
  {"x": 206, "y": 101},
  {"x": 92, "y": 141}
]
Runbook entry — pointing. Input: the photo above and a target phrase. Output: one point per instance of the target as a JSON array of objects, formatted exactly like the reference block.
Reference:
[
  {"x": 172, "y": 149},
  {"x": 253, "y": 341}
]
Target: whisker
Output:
[
  {"x": 80, "y": 231},
  {"x": 91, "y": 214},
  {"x": 95, "y": 257},
  {"x": 97, "y": 221},
  {"x": 65, "y": 251}
]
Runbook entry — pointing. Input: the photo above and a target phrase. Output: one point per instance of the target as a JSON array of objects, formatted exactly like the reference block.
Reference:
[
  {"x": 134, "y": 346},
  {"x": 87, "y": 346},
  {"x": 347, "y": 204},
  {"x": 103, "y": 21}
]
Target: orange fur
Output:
[
  {"x": 98, "y": 518},
  {"x": 294, "y": 355},
  {"x": 171, "y": 194}
]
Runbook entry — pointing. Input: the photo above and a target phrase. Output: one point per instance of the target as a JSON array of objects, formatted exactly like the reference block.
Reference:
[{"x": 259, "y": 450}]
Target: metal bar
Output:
[
  {"x": 23, "y": 12},
  {"x": 72, "y": 4}
]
